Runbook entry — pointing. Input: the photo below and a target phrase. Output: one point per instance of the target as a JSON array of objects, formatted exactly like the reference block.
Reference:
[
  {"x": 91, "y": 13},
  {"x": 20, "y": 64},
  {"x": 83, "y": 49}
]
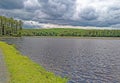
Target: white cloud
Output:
[
  {"x": 31, "y": 4},
  {"x": 31, "y": 23},
  {"x": 101, "y": 7},
  {"x": 40, "y": 15},
  {"x": 38, "y": 25}
]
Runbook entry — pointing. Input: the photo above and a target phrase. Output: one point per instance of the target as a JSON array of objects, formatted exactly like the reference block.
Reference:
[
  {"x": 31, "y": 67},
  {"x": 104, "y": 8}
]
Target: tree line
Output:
[
  {"x": 10, "y": 26},
  {"x": 71, "y": 32}
]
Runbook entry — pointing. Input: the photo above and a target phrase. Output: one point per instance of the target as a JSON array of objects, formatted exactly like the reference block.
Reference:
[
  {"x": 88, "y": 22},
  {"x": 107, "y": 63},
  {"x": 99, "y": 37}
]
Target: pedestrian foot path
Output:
[{"x": 4, "y": 76}]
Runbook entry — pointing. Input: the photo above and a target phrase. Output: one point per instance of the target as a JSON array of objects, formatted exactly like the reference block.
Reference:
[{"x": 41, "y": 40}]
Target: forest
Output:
[
  {"x": 71, "y": 32},
  {"x": 10, "y": 26}
]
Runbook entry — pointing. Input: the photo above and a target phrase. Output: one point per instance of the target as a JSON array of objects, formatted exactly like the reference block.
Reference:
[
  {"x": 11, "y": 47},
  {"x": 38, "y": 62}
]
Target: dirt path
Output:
[{"x": 4, "y": 76}]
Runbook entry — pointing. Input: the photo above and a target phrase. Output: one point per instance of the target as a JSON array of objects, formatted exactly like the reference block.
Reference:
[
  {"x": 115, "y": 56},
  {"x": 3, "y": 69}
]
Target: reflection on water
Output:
[{"x": 81, "y": 60}]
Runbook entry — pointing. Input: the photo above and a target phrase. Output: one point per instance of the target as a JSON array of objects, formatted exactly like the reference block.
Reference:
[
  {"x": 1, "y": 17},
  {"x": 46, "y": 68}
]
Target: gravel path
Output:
[{"x": 3, "y": 70}]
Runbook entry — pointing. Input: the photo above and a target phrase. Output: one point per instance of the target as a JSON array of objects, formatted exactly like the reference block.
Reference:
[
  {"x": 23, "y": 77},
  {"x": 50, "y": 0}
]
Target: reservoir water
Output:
[{"x": 82, "y": 60}]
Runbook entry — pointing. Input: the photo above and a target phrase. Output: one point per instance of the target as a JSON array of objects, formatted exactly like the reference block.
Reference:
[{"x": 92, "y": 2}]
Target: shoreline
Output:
[
  {"x": 66, "y": 37},
  {"x": 23, "y": 70}
]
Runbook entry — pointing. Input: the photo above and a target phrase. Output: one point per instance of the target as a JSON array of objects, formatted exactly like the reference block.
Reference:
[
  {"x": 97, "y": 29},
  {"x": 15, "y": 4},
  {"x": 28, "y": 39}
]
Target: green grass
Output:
[
  {"x": 23, "y": 70},
  {"x": 71, "y": 32}
]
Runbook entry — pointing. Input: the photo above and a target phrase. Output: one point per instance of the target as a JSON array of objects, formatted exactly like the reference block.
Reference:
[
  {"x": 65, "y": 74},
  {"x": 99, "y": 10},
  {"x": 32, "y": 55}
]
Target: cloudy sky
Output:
[{"x": 41, "y": 13}]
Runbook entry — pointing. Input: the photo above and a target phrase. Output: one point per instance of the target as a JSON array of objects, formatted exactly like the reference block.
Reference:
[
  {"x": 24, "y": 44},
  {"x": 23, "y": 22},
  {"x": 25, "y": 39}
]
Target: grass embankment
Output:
[{"x": 23, "y": 70}]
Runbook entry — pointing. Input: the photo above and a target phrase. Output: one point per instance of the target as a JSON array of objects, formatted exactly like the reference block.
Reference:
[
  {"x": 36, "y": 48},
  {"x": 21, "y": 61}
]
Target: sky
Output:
[{"x": 60, "y": 13}]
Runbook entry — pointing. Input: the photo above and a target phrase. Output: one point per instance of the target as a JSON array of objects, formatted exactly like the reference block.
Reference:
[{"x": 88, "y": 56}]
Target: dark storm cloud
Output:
[
  {"x": 57, "y": 9},
  {"x": 16, "y": 13},
  {"x": 11, "y": 4},
  {"x": 89, "y": 14},
  {"x": 103, "y": 13}
]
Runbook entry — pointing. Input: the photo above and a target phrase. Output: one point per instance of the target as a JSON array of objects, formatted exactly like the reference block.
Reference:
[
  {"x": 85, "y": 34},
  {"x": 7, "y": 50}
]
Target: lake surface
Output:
[{"x": 81, "y": 60}]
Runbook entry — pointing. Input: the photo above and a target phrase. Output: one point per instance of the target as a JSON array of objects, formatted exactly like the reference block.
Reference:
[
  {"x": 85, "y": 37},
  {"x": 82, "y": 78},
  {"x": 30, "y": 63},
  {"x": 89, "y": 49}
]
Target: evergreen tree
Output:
[{"x": 10, "y": 27}]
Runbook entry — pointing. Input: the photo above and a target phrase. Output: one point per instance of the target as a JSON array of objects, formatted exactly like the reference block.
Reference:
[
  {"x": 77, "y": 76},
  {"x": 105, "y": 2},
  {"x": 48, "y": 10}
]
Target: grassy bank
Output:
[{"x": 23, "y": 70}]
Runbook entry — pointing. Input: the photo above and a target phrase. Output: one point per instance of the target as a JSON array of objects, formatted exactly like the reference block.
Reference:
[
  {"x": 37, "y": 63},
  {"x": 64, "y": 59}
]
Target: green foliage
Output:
[
  {"x": 10, "y": 27},
  {"x": 71, "y": 32},
  {"x": 23, "y": 70}
]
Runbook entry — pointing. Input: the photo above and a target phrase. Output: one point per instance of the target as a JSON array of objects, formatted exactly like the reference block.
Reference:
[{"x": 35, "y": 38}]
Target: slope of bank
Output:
[
  {"x": 4, "y": 75},
  {"x": 23, "y": 70}
]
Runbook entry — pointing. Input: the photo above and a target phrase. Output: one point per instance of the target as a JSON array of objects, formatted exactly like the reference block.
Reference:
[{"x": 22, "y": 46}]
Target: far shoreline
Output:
[{"x": 64, "y": 37}]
